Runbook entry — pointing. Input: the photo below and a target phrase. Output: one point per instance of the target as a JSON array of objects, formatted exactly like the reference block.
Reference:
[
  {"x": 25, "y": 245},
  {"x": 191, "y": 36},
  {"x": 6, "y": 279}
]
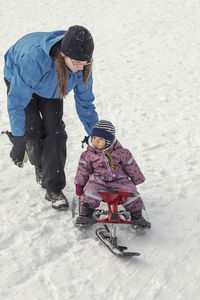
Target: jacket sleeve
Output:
[
  {"x": 84, "y": 170},
  {"x": 85, "y": 108},
  {"x": 25, "y": 77},
  {"x": 131, "y": 167}
]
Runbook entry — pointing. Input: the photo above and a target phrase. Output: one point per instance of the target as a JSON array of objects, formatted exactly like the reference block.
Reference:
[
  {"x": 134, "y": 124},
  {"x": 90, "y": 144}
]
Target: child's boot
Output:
[
  {"x": 86, "y": 212},
  {"x": 85, "y": 215},
  {"x": 138, "y": 220}
]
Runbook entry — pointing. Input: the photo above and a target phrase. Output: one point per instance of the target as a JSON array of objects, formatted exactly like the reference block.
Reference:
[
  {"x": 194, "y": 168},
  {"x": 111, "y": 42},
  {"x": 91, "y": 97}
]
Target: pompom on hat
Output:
[
  {"x": 105, "y": 130},
  {"x": 78, "y": 43}
]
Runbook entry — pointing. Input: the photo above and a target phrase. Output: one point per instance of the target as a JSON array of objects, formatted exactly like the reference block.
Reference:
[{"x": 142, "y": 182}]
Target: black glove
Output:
[
  {"x": 85, "y": 140},
  {"x": 18, "y": 152}
]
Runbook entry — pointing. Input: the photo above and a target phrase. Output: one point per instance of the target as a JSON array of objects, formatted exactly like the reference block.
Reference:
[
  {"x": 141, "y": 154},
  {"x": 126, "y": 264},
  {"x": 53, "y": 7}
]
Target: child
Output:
[{"x": 107, "y": 165}]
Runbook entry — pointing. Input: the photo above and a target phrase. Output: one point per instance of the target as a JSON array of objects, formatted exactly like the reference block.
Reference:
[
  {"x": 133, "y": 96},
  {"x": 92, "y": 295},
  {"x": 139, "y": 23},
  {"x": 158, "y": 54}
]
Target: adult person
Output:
[{"x": 40, "y": 69}]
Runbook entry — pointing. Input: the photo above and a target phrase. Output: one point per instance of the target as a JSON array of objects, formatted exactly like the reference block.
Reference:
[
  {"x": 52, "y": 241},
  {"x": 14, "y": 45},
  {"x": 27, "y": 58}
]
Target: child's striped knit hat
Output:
[{"x": 105, "y": 130}]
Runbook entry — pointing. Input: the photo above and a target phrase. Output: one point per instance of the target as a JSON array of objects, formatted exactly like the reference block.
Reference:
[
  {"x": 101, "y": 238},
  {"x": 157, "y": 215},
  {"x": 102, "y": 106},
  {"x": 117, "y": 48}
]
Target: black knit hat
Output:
[{"x": 78, "y": 43}]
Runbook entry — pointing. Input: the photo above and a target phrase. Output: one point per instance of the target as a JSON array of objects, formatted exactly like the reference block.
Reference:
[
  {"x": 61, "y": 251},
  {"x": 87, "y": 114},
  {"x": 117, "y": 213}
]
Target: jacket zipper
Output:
[{"x": 108, "y": 167}]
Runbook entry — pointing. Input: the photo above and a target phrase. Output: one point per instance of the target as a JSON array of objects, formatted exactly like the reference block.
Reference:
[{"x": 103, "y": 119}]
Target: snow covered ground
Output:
[{"x": 147, "y": 82}]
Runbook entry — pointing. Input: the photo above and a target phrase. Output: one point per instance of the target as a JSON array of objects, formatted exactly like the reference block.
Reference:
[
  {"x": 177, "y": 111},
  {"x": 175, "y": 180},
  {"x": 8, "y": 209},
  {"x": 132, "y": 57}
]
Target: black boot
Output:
[
  {"x": 85, "y": 215},
  {"x": 59, "y": 201},
  {"x": 138, "y": 220},
  {"x": 86, "y": 211},
  {"x": 38, "y": 174}
]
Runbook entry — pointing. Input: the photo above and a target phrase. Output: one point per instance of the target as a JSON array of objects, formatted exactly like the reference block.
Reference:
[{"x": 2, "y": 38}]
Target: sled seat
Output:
[{"x": 113, "y": 198}]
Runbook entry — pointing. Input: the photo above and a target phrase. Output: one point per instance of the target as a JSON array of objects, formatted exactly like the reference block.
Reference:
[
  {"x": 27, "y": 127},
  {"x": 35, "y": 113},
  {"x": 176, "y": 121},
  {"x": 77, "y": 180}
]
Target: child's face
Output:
[{"x": 98, "y": 142}]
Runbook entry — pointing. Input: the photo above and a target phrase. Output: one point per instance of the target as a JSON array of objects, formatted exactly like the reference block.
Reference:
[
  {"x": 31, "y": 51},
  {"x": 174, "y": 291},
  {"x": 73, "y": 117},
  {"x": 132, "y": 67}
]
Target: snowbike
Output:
[{"x": 113, "y": 198}]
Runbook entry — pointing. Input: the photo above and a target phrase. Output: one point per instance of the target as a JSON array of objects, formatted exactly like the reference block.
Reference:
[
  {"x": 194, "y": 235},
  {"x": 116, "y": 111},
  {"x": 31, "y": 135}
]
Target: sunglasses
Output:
[{"x": 79, "y": 64}]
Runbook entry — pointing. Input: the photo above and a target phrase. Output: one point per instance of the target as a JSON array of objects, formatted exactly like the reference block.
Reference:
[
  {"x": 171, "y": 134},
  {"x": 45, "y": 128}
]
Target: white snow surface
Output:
[{"x": 147, "y": 82}]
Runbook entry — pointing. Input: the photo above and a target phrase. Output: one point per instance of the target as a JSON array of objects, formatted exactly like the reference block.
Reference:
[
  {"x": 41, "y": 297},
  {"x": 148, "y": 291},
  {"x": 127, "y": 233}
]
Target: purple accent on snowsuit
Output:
[{"x": 94, "y": 172}]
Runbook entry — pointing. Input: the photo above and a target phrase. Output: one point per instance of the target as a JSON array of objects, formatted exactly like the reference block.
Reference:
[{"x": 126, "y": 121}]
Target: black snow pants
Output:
[{"x": 45, "y": 138}]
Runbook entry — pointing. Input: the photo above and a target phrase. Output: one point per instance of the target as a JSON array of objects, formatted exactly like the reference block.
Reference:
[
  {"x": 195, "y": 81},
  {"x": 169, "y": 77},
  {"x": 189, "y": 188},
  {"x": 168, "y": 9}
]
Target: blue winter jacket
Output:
[{"x": 30, "y": 69}]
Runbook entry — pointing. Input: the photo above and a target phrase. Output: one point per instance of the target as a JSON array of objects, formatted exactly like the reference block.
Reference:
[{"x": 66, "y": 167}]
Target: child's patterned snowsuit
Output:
[{"x": 97, "y": 171}]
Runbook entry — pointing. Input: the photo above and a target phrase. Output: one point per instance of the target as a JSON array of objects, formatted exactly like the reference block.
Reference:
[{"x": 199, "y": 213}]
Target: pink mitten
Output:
[{"x": 79, "y": 189}]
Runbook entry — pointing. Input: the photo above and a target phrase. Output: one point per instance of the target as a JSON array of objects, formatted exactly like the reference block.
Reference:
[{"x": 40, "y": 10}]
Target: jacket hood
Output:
[{"x": 50, "y": 39}]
